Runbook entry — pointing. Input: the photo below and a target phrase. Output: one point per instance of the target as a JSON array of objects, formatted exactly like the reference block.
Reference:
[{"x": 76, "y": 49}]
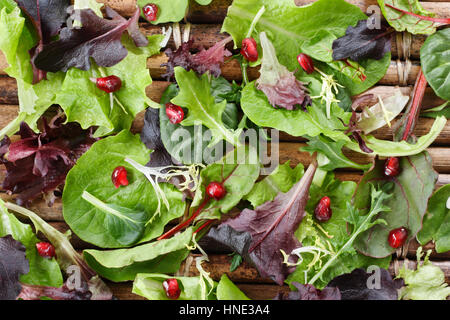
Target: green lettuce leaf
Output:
[
  {"x": 333, "y": 157},
  {"x": 436, "y": 223},
  {"x": 43, "y": 271},
  {"x": 297, "y": 123},
  {"x": 280, "y": 180},
  {"x": 195, "y": 95},
  {"x": 405, "y": 22},
  {"x": 291, "y": 30},
  {"x": 386, "y": 148},
  {"x": 171, "y": 11},
  {"x": 330, "y": 243},
  {"x": 183, "y": 142},
  {"x": 227, "y": 290},
  {"x": 84, "y": 103},
  {"x": 427, "y": 282},
  {"x": 435, "y": 62},
  {"x": 162, "y": 256},
  {"x": 237, "y": 171},
  {"x": 149, "y": 285},
  {"x": 116, "y": 217}
]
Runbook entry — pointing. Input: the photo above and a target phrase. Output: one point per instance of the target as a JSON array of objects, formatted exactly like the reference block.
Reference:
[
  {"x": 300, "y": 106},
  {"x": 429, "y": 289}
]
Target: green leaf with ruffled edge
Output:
[{"x": 43, "y": 271}]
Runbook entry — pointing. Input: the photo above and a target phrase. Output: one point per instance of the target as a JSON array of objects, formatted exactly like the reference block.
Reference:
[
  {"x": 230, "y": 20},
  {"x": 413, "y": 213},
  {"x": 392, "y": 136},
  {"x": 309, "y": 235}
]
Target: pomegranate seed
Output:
[
  {"x": 174, "y": 113},
  {"x": 323, "y": 210},
  {"x": 172, "y": 288},
  {"x": 109, "y": 84},
  {"x": 306, "y": 63},
  {"x": 45, "y": 249},
  {"x": 150, "y": 11},
  {"x": 391, "y": 167},
  {"x": 397, "y": 237},
  {"x": 249, "y": 49},
  {"x": 216, "y": 190},
  {"x": 119, "y": 177}
]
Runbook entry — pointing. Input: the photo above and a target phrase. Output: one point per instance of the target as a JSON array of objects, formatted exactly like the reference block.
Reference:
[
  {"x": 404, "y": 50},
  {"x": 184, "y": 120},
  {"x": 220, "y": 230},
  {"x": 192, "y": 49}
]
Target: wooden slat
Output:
[
  {"x": 231, "y": 71},
  {"x": 216, "y": 11},
  {"x": 9, "y": 112},
  {"x": 211, "y": 246},
  {"x": 8, "y": 92}
]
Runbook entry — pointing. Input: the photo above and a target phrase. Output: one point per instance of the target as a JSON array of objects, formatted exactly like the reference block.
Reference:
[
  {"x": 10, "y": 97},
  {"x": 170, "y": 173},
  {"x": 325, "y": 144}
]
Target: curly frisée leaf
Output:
[{"x": 96, "y": 37}]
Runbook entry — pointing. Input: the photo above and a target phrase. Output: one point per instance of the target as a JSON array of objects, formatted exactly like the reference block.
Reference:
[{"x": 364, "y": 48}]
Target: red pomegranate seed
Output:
[
  {"x": 306, "y": 63},
  {"x": 174, "y": 113},
  {"x": 249, "y": 49},
  {"x": 172, "y": 288},
  {"x": 216, "y": 190},
  {"x": 323, "y": 210},
  {"x": 119, "y": 177},
  {"x": 108, "y": 84},
  {"x": 391, "y": 167},
  {"x": 150, "y": 11},
  {"x": 397, "y": 237},
  {"x": 45, "y": 249}
]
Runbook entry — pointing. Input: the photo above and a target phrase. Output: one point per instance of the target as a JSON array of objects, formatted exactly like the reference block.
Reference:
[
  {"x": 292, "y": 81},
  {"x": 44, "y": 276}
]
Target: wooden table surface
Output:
[{"x": 206, "y": 22}]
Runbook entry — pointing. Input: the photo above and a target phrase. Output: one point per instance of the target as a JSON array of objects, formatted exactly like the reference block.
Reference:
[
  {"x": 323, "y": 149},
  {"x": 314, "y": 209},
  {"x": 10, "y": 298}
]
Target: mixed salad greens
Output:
[{"x": 144, "y": 201}]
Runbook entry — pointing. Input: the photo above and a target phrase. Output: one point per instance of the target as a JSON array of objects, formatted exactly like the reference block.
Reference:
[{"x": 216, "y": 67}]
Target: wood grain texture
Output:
[{"x": 216, "y": 11}]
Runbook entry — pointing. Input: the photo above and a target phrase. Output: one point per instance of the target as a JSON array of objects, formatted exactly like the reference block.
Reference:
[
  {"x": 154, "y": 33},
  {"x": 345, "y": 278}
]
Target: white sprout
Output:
[
  {"x": 190, "y": 174},
  {"x": 327, "y": 95}
]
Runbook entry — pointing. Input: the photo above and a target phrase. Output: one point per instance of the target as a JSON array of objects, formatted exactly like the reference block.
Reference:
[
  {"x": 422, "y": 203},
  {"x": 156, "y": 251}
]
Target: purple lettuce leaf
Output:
[
  {"x": 39, "y": 163},
  {"x": 364, "y": 41},
  {"x": 354, "y": 285},
  {"x": 13, "y": 264},
  {"x": 98, "y": 38},
  {"x": 279, "y": 84},
  {"x": 259, "y": 235},
  {"x": 47, "y": 16},
  {"x": 206, "y": 60},
  {"x": 151, "y": 137},
  {"x": 33, "y": 292},
  {"x": 309, "y": 292}
]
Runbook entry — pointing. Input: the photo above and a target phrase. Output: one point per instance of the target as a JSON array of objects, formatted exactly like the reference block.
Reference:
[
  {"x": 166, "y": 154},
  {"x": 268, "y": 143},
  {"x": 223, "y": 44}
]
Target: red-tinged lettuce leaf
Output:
[
  {"x": 279, "y": 84},
  {"x": 32, "y": 292},
  {"x": 206, "y": 60},
  {"x": 47, "y": 17},
  {"x": 309, "y": 292},
  {"x": 355, "y": 285},
  {"x": 97, "y": 38},
  {"x": 38, "y": 163},
  {"x": 13, "y": 263},
  {"x": 259, "y": 235},
  {"x": 410, "y": 191},
  {"x": 364, "y": 41}
]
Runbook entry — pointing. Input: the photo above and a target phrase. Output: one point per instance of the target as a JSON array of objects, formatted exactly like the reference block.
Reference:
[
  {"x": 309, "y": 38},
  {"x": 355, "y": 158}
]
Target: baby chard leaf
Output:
[{"x": 410, "y": 192}]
